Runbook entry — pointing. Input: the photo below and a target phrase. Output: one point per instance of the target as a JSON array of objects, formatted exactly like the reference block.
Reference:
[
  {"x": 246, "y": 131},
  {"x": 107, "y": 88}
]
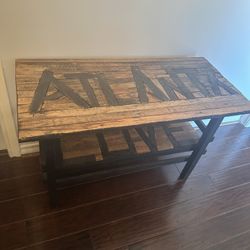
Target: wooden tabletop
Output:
[{"x": 66, "y": 96}]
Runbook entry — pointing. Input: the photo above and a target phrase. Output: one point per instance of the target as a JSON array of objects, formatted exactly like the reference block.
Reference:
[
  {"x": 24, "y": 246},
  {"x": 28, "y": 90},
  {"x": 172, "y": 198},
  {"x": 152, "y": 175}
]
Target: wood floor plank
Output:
[
  {"x": 79, "y": 241},
  {"x": 231, "y": 130},
  {"x": 229, "y": 144},
  {"x": 89, "y": 193},
  {"x": 63, "y": 222},
  {"x": 134, "y": 208},
  {"x": 230, "y": 177},
  {"x": 13, "y": 237},
  {"x": 36, "y": 205},
  {"x": 17, "y": 167},
  {"x": 240, "y": 241},
  {"x": 203, "y": 235},
  {"x": 214, "y": 163},
  {"x": 82, "y": 218},
  {"x": 52, "y": 226},
  {"x": 21, "y": 186},
  {"x": 170, "y": 218}
]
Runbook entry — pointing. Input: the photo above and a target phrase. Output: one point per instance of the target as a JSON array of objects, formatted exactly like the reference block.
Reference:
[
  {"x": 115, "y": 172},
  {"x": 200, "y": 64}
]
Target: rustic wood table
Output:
[{"x": 110, "y": 116}]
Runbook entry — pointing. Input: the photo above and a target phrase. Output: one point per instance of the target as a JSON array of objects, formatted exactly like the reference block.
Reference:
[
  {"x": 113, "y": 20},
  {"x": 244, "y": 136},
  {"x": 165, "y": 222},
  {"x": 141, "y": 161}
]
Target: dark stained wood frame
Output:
[
  {"x": 59, "y": 171},
  {"x": 206, "y": 138}
]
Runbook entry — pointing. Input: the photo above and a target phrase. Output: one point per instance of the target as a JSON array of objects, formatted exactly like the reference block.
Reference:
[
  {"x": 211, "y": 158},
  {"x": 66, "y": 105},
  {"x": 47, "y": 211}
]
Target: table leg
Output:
[
  {"x": 205, "y": 139},
  {"x": 52, "y": 159}
]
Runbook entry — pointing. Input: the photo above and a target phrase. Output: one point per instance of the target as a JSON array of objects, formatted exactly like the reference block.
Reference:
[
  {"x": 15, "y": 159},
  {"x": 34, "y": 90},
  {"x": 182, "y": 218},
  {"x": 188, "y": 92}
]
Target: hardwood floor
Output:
[{"x": 147, "y": 210}]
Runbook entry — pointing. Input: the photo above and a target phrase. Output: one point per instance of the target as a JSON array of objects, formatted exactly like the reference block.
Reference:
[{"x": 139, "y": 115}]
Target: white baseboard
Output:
[
  {"x": 245, "y": 120},
  {"x": 8, "y": 125},
  {"x": 2, "y": 142},
  {"x": 29, "y": 147}
]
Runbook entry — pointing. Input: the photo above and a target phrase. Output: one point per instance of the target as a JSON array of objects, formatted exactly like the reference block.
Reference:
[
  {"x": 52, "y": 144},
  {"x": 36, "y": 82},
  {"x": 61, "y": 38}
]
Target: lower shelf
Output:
[
  {"x": 139, "y": 142},
  {"x": 94, "y": 156}
]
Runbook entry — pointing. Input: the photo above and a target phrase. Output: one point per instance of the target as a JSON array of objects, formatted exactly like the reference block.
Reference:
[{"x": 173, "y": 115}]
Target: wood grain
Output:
[
  {"x": 173, "y": 221},
  {"x": 86, "y": 95},
  {"x": 227, "y": 225},
  {"x": 11, "y": 168},
  {"x": 239, "y": 241},
  {"x": 146, "y": 209},
  {"x": 130, "y": 142},
  {"x": 134, "y": 209},
  {"x": 79, "y": 241},
  {"x": 85, "y": 193}
]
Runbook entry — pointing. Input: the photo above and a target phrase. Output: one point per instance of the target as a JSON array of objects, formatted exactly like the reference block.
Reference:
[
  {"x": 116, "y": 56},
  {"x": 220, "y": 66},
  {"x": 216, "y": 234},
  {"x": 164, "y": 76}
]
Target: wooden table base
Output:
[
  {"x": 146, "y": 150},
  {"x": 207, "y": 136}
]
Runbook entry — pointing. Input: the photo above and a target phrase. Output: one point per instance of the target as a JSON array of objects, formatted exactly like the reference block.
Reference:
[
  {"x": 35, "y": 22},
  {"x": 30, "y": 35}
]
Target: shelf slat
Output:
[{"x": 154, "y": 139}]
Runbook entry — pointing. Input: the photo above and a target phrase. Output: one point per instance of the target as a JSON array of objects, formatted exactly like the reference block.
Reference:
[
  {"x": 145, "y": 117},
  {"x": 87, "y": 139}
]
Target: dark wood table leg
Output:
[
  {"x": 200, "y": 148},
  {"x": 52, "y": 155}
]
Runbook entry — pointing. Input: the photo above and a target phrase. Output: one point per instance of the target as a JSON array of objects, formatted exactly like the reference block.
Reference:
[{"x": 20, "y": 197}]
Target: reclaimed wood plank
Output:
[
  {"x": 138, "y": 141},
  {"x": 115, "y": 117},
  {"x": 111, "y": 87}
]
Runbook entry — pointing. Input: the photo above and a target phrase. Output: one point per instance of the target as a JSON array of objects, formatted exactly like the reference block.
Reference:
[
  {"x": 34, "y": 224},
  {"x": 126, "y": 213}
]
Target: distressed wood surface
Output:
[
  {"x": 67, "y": 96},
  {"x": 130, "y": 142}
]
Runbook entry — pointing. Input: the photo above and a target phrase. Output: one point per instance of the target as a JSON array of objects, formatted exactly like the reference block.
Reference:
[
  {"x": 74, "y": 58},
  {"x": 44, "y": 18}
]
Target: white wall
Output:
[{"x": 216, "y": 29}]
